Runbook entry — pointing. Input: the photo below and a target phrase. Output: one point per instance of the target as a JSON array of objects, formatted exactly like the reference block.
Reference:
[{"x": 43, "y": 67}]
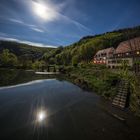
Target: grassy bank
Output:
[
  {"x": 135, "y": 95},
  {"x": 105, "y": 82},
  {"x": 95, "y": 78}
]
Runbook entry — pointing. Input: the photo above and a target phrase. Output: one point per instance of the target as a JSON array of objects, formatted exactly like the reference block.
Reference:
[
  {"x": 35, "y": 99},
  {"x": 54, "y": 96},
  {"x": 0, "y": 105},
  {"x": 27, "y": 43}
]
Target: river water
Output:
[{"x": 47, "y": 108}]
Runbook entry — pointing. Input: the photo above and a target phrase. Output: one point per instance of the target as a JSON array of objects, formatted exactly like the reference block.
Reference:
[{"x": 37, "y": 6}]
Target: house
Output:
[
  {"x": 127, "y": 51},
  {"x": 102, "y": 56}
]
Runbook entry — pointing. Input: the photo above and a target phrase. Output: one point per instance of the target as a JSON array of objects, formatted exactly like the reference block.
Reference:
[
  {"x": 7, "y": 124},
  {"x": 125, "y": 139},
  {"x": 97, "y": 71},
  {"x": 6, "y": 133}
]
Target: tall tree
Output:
[{"x": 8, "y": 59}]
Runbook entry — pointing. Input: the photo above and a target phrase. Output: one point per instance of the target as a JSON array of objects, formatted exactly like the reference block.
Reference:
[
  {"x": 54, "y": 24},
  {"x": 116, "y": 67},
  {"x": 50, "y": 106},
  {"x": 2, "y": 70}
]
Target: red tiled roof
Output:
[{"x": 128, "y": 46}]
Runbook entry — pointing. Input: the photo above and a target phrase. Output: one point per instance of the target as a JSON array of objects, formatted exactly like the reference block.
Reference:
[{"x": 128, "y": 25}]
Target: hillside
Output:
[
  {"x": 24, "y": 50},
  {"x": 84, "y": 49},
  {"x": 81, "y": 51}
]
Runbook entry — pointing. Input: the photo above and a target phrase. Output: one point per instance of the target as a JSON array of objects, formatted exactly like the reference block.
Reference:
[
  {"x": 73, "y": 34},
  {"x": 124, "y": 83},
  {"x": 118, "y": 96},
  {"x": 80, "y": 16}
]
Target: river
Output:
[{"x": 48, "y": 108}]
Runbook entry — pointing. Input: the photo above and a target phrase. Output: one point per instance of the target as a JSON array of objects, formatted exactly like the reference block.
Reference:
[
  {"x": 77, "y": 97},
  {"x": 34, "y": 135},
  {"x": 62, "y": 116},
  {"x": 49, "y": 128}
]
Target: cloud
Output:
[
  {"x": 27, "y": 42},
  {"x": 21, "y": 22},
  {"x": 37, "y": 30},
  {"x": 50, "y": 12},
  {"x": 33, "y": 27},
  {"x": 50, "y": 28},
  {"x": 16, "y": 21},
  {"x": 77, "y": 24}
]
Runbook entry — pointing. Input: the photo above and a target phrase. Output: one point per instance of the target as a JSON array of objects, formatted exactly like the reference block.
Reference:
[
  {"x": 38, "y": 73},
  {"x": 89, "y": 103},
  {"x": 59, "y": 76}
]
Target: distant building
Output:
[
  {"x": 126, "y": 51},
  {"x": 102, "y": 56}
]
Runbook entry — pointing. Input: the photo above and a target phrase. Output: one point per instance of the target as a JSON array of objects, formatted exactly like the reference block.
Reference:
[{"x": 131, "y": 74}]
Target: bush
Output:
[{"x": 112, "y": 79}]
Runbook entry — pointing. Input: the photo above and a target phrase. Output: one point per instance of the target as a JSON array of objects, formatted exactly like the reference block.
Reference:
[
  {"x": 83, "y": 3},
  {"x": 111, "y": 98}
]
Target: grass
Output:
[
  {"x": 105, "y": 82},
  {"x": 95, "y": 78}
]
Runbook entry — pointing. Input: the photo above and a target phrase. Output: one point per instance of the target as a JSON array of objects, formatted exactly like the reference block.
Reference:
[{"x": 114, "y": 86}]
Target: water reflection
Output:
[
  {"x": 41, "y": 116},
  {"x": 53, "y": 109},
  {"x": 13, "y": 77}
]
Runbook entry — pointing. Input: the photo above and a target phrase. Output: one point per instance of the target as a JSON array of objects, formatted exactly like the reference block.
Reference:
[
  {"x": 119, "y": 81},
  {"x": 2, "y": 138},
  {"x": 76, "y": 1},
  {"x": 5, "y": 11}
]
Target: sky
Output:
[{"x": 53, "y": 23}]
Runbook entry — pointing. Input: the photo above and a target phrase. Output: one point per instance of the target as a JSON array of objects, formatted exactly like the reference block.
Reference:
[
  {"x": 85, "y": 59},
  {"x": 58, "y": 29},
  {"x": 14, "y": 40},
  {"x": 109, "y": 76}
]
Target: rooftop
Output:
[{"x": 128, "y": 46}]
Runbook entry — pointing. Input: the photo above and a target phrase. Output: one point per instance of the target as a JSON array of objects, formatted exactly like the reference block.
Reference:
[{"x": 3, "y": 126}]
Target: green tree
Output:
[
  {"x": 8, "y": 59},
  {"x": 52, "y": 61},
  {"x": 86, "y": 52},
  {"x": 58, "y": 58},
  {"x": 75, "y": 60},
  {"x": 39, "y": 65},
  {"x": 36, "y": 65},
  {"x": 25, "y": 61}
]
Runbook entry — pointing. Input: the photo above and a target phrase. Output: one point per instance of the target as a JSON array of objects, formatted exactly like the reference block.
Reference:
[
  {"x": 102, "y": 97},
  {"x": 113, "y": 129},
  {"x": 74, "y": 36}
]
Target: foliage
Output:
[
  {"x": 8, "y": 59},
  {"x": 51, "y": 57},
  {"x": 24, "y": 50},
  {"x": 39, "y": 65},
  {"x": 98, "y": 79},
  {"x": 134, "y": 87},
  {"x": 86, "y": 48},
  {"x": 124, "y": 71},
  {"x": 135, "y": 94},
  {"x": 75, "y": 60}
]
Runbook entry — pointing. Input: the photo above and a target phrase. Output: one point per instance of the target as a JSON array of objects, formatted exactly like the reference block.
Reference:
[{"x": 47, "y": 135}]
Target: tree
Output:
[
  {"x": 52, "y": 61},
  {"x": 75, "y": 60},
  {"x": 39, "y": 65},
  {"x": 8, "y": 59},
  {"x": 86, "y": 52},
  {"x": 25, "y": 61},
  {"x": 64, "y": 58},
  {"x": 35, "y": 65}
]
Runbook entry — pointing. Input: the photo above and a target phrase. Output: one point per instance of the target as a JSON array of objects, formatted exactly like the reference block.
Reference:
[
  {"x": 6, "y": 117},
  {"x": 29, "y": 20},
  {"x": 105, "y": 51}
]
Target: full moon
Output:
[
  {"x": 45, "y": 11},
  {"x": 40, "y": 10}
]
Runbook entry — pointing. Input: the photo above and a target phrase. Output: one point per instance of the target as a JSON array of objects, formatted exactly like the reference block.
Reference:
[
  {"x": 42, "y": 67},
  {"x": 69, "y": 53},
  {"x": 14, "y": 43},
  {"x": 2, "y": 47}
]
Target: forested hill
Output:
[
  {"x": 81, "y": 51},
  {"x": 24, "y": 50},
  {"x": 85, "y": 49}
]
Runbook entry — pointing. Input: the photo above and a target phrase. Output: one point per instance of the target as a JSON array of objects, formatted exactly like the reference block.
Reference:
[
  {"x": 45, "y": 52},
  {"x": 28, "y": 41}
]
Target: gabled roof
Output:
[{"x": 128, "y": 46}]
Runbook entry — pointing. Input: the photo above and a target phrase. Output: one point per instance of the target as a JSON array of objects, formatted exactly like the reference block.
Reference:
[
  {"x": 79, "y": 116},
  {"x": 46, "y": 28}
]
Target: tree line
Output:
[
  {"x": 10, "y": 60},
  {"x": 84, "y": 50}
]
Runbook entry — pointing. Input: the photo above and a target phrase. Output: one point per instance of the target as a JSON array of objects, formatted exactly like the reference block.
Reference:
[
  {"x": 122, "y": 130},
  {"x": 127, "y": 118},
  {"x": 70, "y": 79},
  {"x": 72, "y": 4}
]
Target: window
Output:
[{"x": 138, "y": 52}]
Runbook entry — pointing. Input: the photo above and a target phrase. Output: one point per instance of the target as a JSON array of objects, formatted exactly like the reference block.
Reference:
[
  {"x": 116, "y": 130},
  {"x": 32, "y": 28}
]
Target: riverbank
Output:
[
  {"x": 93, "y": 78},
  {"x": 96, "y": 79},
  {"x": 104, "y": 82}
]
